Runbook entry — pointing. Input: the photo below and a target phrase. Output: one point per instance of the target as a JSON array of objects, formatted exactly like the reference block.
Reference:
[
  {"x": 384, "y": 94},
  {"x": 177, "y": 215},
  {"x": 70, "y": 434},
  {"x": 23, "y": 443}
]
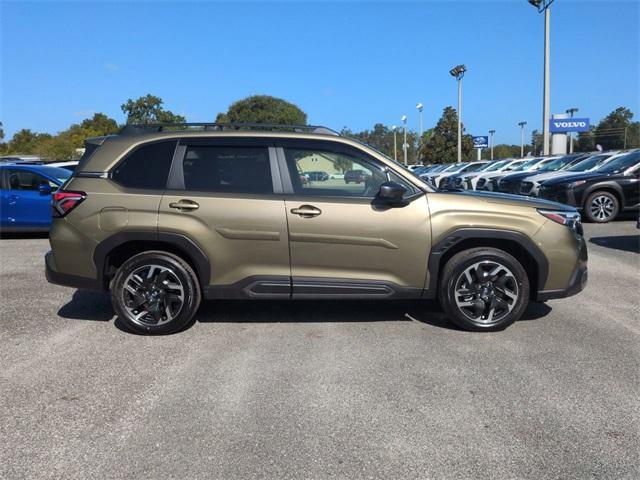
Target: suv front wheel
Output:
[
  {"x": 155, "y": 292},
  {"x": 484, "y": 289}
]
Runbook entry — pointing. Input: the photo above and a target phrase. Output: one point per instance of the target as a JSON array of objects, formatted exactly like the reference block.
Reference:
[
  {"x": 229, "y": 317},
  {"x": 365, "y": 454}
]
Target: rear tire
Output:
[
  {"x": 155, "y": 293},
  {"x": 601, "y": 207},
  {"x": 483, "y": 289}
]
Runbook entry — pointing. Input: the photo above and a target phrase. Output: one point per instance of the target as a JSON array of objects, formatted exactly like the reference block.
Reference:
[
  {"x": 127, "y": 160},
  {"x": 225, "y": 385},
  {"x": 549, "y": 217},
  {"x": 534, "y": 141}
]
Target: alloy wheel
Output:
[
  {"x": 486, "y": 291},
  {"x": 602, "y": 207},
  {"x": 153, "y": 295}
]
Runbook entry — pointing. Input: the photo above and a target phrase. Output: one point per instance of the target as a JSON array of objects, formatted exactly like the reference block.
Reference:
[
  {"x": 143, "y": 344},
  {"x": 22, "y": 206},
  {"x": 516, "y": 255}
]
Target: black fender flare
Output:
[
  {"x": 457, "y": 235},
  {"x": 606, "y": 185},
  {"x": 177, "y": 240}
]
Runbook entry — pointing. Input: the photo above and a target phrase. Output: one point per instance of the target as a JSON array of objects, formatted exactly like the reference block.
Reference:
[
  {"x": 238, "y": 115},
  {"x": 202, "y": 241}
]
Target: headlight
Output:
[{"x": 569, "y": 219}]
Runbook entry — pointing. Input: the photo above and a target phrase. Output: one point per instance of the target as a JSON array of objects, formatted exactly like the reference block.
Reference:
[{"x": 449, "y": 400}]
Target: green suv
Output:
[{"x": 164, "y": 216}]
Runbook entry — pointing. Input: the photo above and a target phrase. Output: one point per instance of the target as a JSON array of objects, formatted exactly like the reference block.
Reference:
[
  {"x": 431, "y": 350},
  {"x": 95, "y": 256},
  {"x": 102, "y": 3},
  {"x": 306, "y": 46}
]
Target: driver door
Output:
[{"x": 342, "y": 242}]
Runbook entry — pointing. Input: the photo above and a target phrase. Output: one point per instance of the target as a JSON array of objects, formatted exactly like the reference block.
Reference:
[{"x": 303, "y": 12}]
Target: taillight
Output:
[{"x": 63, "y": 201}]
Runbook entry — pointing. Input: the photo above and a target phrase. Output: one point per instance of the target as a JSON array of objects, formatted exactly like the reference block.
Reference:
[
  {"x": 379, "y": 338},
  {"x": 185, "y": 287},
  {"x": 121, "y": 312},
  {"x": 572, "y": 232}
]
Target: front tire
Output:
[
  {"x": 483, "y": 289},
  {"x": 155, "y": 293},
  {"x": 601, "y": 207}
]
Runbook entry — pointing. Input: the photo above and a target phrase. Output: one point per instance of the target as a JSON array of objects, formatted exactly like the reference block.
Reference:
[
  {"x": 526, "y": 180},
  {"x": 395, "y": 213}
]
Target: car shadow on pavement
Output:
[
  {"x": 96, "y": 306},
  {"x": 88, "y": 305},
  {"x": 22, "y": 235},
  {"x": 627, "y": 243}
]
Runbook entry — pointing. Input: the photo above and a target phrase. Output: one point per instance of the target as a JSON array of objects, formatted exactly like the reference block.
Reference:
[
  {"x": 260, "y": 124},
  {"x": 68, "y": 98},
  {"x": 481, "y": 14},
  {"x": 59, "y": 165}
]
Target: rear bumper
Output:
[
  {"x": 58, "y": 278},
  {"x": 577, "y": 282}
]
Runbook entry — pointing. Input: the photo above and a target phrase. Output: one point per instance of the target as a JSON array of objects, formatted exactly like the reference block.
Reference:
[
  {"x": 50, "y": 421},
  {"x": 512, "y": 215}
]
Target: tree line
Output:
[{"x": 436, "y": 145}]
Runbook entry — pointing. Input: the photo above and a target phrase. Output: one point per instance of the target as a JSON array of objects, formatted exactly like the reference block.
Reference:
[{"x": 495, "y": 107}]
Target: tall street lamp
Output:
[
  {"x": 419, "y": 106},
  {"x": 543, "y": 6},
  {"x": 404, "y": 145},
  {"x": 571, "y": 111},
  {"x": 521, "y": 125},
  {"x": 458, "y": 73},
  {"x": 395, "y": 142},
  {"x": 491, "y": 133}
]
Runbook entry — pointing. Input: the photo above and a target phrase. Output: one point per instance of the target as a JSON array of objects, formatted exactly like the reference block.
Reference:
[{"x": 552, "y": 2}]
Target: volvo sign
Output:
[{"x": 564, "y": 125}]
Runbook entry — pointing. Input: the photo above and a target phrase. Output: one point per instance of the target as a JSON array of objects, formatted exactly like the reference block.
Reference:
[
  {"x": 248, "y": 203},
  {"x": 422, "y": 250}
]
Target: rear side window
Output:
[
  {"x": 227, "y": 169},
  {"x": 146, "y": 167}
]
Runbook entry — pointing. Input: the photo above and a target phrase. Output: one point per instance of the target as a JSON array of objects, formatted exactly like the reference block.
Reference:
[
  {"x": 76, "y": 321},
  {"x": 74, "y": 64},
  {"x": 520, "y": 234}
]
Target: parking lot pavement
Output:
[{"x": 322, "y": 390}]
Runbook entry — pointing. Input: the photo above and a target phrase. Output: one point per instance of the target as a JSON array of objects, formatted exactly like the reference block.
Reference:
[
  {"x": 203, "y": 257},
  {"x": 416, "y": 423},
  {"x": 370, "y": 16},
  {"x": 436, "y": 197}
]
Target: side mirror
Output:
[
  {"x": 392, "y": 193},
  {"x": 45, "y": 189}
]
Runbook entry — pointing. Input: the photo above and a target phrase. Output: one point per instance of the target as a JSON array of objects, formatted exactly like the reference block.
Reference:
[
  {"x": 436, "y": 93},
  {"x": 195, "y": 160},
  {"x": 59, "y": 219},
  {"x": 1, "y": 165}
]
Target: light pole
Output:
[
  {"x": 491, "y": 132},
  {"x": 571, "y": 111},
  {"x": 458, "y": 73},
  {"x": 395, "y": 142},
  {"x": 404, "y": 145},
  {"x": 419, "y": 106},
  {"x": 543, "y": 6},
  {"x": 522, "y": 124}
]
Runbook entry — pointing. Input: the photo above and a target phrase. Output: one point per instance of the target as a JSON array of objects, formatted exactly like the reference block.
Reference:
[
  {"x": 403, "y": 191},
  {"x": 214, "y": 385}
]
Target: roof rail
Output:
[{"x": 140, "y": 128}]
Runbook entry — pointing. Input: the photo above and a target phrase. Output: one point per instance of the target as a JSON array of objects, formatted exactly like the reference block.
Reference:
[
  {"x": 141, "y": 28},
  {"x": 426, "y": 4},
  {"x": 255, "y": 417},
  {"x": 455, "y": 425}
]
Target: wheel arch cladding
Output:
[
  {"x": 609, "y": 187},
  {"x": 516, "y": 244},
  {"x": 114, "y": 250}
]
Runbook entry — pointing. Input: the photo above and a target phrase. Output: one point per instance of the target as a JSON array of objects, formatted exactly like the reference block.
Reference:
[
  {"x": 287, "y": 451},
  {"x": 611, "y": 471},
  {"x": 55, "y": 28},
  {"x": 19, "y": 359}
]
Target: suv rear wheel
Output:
[
  {"x": 155, "y": 292},
  {"x": 484, "y": 289}
]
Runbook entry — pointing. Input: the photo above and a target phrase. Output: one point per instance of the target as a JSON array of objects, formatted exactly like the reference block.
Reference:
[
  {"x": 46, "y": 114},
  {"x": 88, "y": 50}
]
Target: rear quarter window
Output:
[{"x": 146, "y": 167}]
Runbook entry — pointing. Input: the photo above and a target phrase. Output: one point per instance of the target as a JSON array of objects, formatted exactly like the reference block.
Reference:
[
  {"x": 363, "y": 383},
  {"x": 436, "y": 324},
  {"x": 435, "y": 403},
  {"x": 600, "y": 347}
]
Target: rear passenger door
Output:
[{"x": 226, "y": 195}]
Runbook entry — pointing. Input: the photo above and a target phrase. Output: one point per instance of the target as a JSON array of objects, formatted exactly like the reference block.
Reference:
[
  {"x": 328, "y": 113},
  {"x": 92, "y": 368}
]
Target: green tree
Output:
[
  {"x": 442, "y": 146},
  {"x": 263, "y": 109},
  {"x": 381, "y": 138},
  {"x": 148, "y": 109},
  {"x": 1, "y": 132},
  {"x": 586, "y": 140},
  {"x": 503, "y": 150},
  {"x": 610, "y": 131}
]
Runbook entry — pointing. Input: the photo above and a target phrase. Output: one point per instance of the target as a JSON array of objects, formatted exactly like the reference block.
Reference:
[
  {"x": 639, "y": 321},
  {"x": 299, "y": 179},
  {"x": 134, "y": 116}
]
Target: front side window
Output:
[
  {"x": 227, "y": 169},
  {"x": 26, "y": 180},
  {"x": 146, "y": 167},
  {"x": 347, "y": 175}
]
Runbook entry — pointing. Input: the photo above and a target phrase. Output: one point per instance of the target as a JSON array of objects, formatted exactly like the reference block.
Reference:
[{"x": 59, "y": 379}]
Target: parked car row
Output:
[{"x": 600, "y": 184}]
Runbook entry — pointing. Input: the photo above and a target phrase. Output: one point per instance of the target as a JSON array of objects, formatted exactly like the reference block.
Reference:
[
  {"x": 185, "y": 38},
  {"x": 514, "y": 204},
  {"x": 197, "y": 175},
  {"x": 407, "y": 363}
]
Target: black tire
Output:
[
  {"x": 601, "y": 207},
  {"x": 178, "y": 289},
  {"x": 496, "y": 294}
]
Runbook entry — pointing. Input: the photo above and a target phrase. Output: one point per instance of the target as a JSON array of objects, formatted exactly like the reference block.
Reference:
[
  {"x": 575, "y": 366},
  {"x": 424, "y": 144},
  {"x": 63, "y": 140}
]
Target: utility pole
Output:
[
  {"x": 395, "y": 143},
  {"x": 458, "y": 72},
  {"x": 491, "y": 132},
  {"x": 571, "y": 111},
  {"x": 522, "y": 125},
  {"x": 404, "y": 145}
]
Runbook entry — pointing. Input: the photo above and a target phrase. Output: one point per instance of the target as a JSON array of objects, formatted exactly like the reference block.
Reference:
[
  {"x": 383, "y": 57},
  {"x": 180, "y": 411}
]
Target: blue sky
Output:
[{"x": 345, "y": 63}]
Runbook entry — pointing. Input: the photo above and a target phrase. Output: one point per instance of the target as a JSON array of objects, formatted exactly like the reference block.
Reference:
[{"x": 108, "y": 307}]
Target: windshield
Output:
[
  {"x": 588, "y": 163},
  {"x": 558, "y": 163},
  {"x": 475, "y": 168},
  {"x": 516, "y": 167},
  {"x": 60, "y": 174},
  {"x": 493, "y": 166},
  {"x": 622, "y": 163}
]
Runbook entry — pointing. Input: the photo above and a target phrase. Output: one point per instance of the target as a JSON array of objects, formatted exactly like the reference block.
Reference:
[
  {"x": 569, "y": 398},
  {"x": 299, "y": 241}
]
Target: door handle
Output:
[
  {"x": 13, "y": 199},
  {"x": 306, "y": 211},
  {"x": 184, "y": 205}
]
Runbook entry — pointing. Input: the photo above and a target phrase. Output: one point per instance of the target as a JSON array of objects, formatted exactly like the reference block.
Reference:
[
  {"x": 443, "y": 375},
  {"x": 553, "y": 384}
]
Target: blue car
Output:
[{"x": 25, "y": 196}]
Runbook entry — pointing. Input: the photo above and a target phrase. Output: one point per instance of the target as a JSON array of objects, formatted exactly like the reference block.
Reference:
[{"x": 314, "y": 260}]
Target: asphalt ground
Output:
[{"x": 322, "y": 389}]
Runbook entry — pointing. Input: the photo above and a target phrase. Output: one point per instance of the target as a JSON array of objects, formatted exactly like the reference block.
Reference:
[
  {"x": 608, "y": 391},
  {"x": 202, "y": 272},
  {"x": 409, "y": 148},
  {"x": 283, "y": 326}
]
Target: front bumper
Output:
[
  {"x": 58, "y": 278},
  {"x": 577, "y": 282}
]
